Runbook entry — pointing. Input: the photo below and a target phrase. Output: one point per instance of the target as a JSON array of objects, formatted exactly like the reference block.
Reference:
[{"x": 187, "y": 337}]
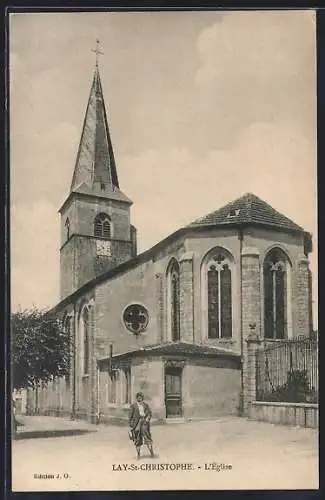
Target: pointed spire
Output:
[{"x": 95, "y": 165}]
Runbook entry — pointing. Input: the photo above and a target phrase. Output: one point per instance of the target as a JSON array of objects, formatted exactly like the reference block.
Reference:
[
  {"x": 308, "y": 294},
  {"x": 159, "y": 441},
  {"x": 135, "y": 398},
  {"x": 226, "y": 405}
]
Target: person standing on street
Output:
[{"x": 139, "y": 422}]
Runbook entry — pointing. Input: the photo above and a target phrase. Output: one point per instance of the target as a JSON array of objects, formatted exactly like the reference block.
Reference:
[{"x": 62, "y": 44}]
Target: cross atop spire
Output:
[{"x": 97, "y": 52}]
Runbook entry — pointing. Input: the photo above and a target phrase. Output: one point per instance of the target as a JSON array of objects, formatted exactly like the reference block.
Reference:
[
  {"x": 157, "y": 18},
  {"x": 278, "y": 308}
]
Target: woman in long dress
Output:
[{"x": 139, "y": 422}]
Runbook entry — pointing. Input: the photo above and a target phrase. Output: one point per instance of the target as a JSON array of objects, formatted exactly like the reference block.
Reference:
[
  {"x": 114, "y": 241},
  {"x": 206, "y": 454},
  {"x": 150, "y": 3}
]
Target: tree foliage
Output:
[{"x": 40, "y": 348}]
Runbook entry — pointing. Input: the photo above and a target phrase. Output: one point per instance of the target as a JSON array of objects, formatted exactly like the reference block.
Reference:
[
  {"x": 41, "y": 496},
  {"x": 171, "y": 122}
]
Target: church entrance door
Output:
[{"x": 173, "y": 391}]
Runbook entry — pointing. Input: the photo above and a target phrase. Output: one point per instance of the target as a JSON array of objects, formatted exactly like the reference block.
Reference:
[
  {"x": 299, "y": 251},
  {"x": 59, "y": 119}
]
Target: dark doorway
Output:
[{"x": 173, "y": 391}]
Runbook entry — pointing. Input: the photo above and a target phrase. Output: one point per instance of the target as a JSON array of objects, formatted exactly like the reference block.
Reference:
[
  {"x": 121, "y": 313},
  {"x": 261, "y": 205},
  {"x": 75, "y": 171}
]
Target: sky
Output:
[{"x": 202, "y": 108}]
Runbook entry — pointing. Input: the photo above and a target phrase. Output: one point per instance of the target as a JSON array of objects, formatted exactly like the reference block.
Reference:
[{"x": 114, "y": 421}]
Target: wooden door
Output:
[{"x": 173, "y": 392}]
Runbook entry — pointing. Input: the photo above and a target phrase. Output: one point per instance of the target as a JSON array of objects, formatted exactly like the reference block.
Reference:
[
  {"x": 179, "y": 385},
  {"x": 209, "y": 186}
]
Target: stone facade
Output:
[
  {"x": 302, "y": 290},
  {"x": 144, "y": 280},
  {"x": 186, "y": 299},
  {"x": 201, "y": 374},
  {"x": 201, "y": 378},
  {"x": 79, "y": 259}
]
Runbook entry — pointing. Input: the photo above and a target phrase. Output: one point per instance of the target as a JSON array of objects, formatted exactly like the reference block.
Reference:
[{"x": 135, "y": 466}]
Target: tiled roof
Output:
[
  {"x": 248, "y": 210},
  {"x": 181, "y": 348}
]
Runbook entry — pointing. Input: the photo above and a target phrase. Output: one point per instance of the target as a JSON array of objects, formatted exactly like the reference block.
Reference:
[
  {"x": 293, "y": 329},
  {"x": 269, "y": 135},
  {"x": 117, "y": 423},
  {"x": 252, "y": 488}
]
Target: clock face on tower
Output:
[{"x": 104, "y": 248}]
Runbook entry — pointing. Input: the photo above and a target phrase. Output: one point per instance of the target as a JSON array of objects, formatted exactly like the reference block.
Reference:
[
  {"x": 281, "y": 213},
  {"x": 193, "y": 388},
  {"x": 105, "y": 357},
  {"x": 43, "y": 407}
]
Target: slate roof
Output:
[
  {"x": 106, "y": 191},
  {"x": 95, "y": 162},
  {"x": 247, "y": 210}
]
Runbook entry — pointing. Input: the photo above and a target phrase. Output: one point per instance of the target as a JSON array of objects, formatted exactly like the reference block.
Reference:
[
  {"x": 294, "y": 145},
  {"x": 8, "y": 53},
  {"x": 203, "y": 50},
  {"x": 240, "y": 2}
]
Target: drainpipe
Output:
[
  {"x": 110, "y": 362},
  {"x": 241, "y": 404},
  {"x": 73, "y": 414},
  {"x": 98, "y": 405}
]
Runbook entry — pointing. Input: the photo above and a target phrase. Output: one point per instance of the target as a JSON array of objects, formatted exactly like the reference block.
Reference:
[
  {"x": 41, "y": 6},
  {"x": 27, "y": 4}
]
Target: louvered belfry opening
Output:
[{"x": 102, "y": 226}]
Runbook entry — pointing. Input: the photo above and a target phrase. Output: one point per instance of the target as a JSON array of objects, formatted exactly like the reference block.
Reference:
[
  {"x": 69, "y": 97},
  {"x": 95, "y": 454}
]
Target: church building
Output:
[{"x": 171, "y": 321}]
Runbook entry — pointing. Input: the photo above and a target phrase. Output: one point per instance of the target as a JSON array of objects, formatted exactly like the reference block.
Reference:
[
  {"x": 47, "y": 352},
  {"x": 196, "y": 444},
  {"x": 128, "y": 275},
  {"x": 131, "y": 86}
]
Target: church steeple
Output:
[
  {"x": 96, "y": 233},
  {"x": 95, "y": 165}
]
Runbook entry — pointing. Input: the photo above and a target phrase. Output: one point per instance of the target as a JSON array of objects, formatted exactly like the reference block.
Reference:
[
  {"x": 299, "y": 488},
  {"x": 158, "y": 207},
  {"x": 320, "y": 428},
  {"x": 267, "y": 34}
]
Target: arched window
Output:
[
  {"x": 67, "y": 228},
  {"x": 217, "y": 281},
  {"x": 102, "y": 226},
  {"x": 275, "y": 273},
  {"x": 174, "y": 300},
  {"x": 85, "y": 341}
]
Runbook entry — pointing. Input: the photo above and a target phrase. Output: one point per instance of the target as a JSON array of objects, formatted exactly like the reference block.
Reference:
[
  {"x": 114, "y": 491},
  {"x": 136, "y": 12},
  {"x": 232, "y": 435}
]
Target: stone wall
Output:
[
  {"x": 210, "y": 388},
  {"x": 250, "y": 311},
  {"x": 53, "y": 399},
  {"x": 296, "y": 414},
  {"x": 302, "y": 294},
  {"x": 210, "y": 391},
  {"x": 148, "y": 377},
  {"x": 138, "y": 285},
  {"x": 146, "y": 282},
  {"x": 86, "y": 211},
  {"x": 186, "y": 299},
  {"x": 67, "y": 270},
  {"x": 78, "y": 255},
  {"x": 80, "y": 263}
]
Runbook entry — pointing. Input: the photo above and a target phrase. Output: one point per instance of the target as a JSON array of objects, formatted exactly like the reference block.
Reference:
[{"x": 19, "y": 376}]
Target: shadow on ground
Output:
[{"x": 50, "y": 434}]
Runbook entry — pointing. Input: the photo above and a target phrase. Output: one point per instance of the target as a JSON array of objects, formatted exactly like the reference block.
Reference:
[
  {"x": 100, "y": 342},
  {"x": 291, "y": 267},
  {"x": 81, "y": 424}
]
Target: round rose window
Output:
[{"x": 136, "y": 318}]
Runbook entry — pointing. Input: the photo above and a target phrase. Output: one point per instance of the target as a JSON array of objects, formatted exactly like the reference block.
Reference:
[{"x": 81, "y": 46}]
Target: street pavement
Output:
[{"x": 52, "y": 454}]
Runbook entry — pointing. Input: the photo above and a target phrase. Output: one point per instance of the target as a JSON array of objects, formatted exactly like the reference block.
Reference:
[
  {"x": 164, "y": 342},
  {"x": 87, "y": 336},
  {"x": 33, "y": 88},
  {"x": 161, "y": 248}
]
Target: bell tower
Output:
[{"x": 96, "y": 234}]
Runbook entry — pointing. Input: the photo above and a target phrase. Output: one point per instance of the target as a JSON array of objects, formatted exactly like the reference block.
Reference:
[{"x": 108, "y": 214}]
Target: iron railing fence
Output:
[{"x": 287, "y": 371}]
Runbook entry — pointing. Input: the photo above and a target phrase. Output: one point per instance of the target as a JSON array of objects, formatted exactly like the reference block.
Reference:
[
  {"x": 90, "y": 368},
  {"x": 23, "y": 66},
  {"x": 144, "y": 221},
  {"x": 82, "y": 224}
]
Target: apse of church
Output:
[{"x": 172, "y": 321}]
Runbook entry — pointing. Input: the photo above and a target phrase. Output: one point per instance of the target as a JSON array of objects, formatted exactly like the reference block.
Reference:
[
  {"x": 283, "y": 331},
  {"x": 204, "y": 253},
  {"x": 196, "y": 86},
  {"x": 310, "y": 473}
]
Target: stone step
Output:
[{"x": 175, "y": 420}]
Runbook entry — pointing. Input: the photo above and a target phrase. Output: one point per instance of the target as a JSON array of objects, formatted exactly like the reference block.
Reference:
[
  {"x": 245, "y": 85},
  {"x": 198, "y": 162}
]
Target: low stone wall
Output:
[
  {"x": 300, "y": 414},
  {"x": 49, "y": 412}
]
